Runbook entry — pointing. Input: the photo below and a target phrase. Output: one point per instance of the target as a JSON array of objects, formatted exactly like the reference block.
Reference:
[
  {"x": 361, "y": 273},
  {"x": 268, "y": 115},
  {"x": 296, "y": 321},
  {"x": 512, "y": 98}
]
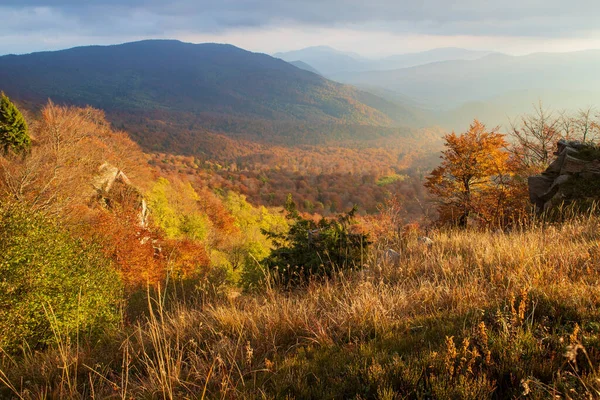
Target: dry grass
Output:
[{"x": 477, "y": 315}]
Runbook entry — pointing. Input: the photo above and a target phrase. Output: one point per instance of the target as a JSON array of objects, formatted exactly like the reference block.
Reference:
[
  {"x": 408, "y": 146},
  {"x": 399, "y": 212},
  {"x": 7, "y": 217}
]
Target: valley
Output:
[{"x": 270, "y": 127}]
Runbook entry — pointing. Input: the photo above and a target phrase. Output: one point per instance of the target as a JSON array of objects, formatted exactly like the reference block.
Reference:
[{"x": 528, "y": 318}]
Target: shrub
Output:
[
  {"x": 46, "y": 275},
  {"x": 252, "y": 246},
  {"x": 315, "y": 249}
]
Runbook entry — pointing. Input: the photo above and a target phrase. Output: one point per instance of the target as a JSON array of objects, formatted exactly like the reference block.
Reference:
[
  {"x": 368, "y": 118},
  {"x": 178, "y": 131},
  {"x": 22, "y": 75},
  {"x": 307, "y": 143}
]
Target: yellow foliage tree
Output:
[{"x": 252, "y": 246}]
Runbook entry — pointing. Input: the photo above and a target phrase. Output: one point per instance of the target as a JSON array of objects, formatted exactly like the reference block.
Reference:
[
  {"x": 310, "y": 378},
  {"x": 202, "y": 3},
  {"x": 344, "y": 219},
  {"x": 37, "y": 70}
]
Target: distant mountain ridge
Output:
[
  {"x": 451, "y": 86},
  {"x": 180, "y": 97},
  {"x": 325, "y": 59},
  {"x": 330, "y": 61},
  {"x": 495, "y": 88},
  {"x": 430, "y": 56},
  {"x": 213, "y": 79},
  {"x": 459, "y": 81}
]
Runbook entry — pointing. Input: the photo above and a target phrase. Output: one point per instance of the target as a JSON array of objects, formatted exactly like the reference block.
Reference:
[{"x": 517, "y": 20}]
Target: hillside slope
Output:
[
  {"x": 304, "y": 66},
  {"x": 196, "y": 78}
]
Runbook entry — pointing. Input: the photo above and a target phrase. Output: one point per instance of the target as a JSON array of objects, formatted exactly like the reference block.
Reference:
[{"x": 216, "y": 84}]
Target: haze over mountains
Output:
[
  {"x": 451, "y": 83},
  {"x": 453, "y": 86},
  {"x": 330, "y": 61}
]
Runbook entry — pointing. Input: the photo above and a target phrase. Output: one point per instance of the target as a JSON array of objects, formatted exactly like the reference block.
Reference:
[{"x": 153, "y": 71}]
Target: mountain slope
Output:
[{"x": 214, "y": 79}]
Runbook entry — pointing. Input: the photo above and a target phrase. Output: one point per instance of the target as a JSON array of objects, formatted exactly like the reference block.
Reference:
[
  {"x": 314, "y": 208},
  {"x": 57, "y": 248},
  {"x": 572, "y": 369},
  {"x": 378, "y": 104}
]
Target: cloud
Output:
[
  {"x": 519, "y": 17},
  {"x": 152, "y": 18}
]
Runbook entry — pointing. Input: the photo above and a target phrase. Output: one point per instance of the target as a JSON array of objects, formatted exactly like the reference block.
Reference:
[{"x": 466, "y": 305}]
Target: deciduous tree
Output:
[
  {"x": 535, "y": 136},
  {"x": 474, "y": 169}
]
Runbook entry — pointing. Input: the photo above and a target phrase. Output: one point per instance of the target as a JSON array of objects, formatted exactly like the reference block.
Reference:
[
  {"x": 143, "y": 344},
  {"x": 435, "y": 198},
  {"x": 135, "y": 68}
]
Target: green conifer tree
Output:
[{"x": 14, "y": 134}]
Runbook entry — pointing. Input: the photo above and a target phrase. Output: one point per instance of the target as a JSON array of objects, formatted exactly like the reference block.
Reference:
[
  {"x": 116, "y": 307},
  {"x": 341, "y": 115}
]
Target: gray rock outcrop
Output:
[{"x": 545, "y": 189}]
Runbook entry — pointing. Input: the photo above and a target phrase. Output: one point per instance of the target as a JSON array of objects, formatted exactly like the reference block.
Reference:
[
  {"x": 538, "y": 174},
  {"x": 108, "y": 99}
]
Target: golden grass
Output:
[{"x": 478, "y": 314}]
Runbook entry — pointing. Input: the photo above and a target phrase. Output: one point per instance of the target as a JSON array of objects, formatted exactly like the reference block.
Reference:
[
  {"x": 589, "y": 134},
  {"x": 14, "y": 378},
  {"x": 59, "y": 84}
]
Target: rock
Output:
[
  {"x": 391, "y": 257},
  {"x": 562, "y": 144},
  {"x": 560, "y": 180},
  {"x": 107, "y": 179},
  {"x": 572, "y": 165},
  {"x": 538, "y": 186},
  {"x": 107, "y": 175},
  {"x": 590, "y": 174},
  {"x": 545, "y": 189},
  {"x": 555, "y": 167}
]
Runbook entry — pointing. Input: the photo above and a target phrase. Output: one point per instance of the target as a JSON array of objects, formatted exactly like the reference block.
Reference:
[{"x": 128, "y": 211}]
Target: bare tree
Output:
[
  {"x": 535, "y": 135},
  {"x": 567, "y": 124},
  {"x": 585, "y": 126}
]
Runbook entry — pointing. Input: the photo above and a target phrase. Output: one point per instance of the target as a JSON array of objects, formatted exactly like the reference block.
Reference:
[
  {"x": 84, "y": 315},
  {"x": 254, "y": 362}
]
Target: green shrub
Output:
[
  {"x": 315, "y": 249},
  {"x": 47, "y": 275},
  {"x": 252, "y": 246}
]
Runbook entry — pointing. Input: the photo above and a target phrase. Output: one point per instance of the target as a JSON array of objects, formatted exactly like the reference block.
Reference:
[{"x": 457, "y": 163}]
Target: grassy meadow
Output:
[{"x": 479, "y": 314}]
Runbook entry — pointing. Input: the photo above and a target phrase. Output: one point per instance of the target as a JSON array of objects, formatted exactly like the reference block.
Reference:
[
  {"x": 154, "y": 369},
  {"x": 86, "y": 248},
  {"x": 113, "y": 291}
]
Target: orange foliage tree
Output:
[
  {"x": 68, "y": 146},
  {"x": 475, "y": 178},
  {"x": 142, "y": 255}
]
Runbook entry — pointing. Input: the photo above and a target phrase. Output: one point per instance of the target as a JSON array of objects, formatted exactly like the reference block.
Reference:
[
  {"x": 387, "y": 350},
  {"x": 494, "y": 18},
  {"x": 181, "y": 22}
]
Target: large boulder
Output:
[
  {"x": 391, "y": 257},
  {"x": 539, "y": 186},
  {"x": 546, "y": 188}
]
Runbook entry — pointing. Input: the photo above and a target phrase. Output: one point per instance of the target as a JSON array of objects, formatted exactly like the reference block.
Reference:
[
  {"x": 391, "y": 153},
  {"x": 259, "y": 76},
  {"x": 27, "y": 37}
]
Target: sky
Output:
[{"x": 373, "y": 28}]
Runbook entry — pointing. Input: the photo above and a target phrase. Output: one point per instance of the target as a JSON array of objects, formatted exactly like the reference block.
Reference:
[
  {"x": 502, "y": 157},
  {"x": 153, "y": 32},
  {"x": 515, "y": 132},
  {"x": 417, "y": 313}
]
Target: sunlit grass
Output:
[{"x": 475, "y": 315}]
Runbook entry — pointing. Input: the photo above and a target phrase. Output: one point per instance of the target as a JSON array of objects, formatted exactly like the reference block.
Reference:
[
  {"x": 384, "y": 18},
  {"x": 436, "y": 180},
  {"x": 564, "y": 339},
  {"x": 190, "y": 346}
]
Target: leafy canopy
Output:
[{"x": 473, "y": 177}]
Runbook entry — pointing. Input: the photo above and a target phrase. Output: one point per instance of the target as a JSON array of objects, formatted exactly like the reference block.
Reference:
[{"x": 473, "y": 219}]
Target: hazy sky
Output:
[{"x": 369, "y": 27}]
